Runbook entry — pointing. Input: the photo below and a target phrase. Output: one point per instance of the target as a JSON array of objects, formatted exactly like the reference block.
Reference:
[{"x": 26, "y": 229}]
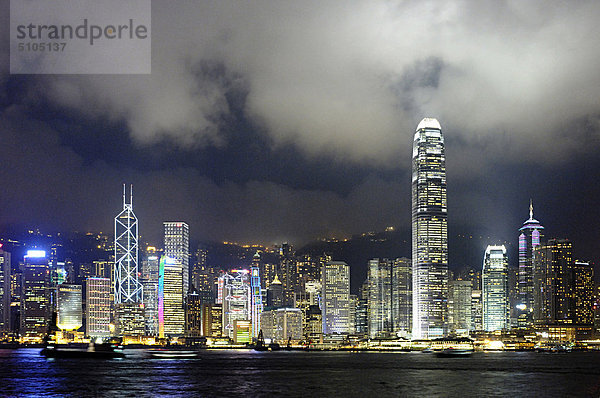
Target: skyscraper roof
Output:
[
  {"x": 430, "y": 123},
  {"x": 531, "y": 222}
]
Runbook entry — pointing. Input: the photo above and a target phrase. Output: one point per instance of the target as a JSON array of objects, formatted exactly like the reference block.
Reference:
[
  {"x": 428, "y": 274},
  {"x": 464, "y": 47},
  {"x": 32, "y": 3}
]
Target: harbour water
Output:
[{"x": 230, "y": 373}]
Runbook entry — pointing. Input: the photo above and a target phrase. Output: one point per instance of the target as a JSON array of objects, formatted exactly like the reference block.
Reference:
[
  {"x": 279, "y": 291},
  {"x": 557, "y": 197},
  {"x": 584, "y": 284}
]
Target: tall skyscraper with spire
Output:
[
  {"x": 128, "y": 287},
  {"x": 429, "y": 232},
  {"x": 531, "y": 234}
]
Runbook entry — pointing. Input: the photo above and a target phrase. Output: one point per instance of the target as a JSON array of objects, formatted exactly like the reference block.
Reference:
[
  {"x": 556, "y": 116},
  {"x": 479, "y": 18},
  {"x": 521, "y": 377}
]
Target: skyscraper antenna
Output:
[
  {"x": 530, "y": 209},
  {"x": 124, "y": 195},
  {"x": 131, "y": 194}
]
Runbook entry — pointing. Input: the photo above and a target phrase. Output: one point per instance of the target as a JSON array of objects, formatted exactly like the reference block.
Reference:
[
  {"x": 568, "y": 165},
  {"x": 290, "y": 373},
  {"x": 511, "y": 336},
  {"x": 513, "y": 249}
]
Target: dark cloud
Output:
[{"x": 289, "y": 120}]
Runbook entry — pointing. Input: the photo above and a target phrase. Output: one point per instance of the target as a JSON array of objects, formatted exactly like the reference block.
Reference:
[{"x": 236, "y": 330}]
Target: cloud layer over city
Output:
[{"x": 332, "y": 88}]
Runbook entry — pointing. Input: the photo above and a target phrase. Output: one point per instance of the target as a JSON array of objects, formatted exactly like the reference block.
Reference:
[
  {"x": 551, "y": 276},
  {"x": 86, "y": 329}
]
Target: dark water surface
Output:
[{"x": 24, "y": 372}]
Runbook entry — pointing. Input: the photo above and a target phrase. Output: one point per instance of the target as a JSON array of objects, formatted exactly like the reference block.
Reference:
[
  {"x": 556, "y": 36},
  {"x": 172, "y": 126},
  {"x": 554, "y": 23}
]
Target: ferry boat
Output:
[
  {"x": 454, "y": 352},
  {"x": 97, "y": 351}
]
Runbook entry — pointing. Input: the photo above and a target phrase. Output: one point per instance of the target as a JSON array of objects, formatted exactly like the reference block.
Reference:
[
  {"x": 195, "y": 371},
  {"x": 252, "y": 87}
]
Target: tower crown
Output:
[{"x": 429, "y": 123}]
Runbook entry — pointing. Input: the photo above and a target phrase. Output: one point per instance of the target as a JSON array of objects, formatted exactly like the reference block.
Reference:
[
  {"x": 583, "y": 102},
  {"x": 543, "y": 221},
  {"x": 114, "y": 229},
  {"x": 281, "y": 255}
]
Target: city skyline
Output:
[{"x": 247, "y": 145}]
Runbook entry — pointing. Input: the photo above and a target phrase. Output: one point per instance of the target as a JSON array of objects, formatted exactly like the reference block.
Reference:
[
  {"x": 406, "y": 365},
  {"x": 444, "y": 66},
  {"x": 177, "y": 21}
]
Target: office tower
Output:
[
  {"x": 128, "y": 288},
  {"x": 199, "y": 277},
  {"x": 242, "y": 331},
  {"x": 150, "y": 271},
  {"x": 362, "y": 310},
  {"x": 275, "y": 296},
  {"x": 5, "y": 299},
  {"x": 288, "y": 273},
  {"x": 97, "y": 303},
  {"x": 513, "y": 295},
  {"x": 35, "y": 297},
  {"x": 476, "y": 310},
  {"x": 460, "y": 317},
  {"x": 69, "y": 307},
  {"x": 282, "y": 324},
  {"x": 583, "y": 292},
  {"x": 402, "y": 296},
  {"x": 552, "y": 300},
  {"x": 236, "y": 299},
  {"x": 335, "y": 298},
  {"x": 495, "y": 289},
  {"x": 171, "y": 315},
  {"x": 429, "y": 232},
  {"x": 129, "y": 319},
  {"x": 380, "y": 298},
  {"x": 193, "y": 314},
  {"x": 256, "y": 295},
  {"x": 177, "y": 246},
  {"x": 313, "y": 323},
  {"x": 212, "y": 320},
  {"x": 531, "y": 235}
]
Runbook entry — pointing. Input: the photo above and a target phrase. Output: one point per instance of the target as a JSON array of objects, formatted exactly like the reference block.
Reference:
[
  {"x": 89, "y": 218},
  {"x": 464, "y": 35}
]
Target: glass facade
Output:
[
  {"x": 171, "y": 315},
  {"x": 429, "y": 232},
  {"x": 177, "y": 246},
  {"x": 335, "y": 301},
  {"x": 495, "y": 289},
  {"x": 36, "y": 308},
  {"x": 98, "y": 307},
  {"x": 128, "y": 288},
  {"x": 69, "y": 307}
]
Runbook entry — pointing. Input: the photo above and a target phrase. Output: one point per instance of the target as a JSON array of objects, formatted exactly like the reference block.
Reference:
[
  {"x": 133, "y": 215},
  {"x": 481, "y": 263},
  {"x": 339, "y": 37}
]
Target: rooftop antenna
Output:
[
  {"x": 530, "y": 209},
  {"x": 124, "y": 196}
]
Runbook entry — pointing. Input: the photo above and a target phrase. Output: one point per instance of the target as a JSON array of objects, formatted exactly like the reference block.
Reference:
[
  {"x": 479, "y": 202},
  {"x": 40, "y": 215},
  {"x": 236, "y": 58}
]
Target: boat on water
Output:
[
  {"x": 97, "y": 351},
  {"x": 168, "y": 353},
  {"x": 454, "y": 352}
]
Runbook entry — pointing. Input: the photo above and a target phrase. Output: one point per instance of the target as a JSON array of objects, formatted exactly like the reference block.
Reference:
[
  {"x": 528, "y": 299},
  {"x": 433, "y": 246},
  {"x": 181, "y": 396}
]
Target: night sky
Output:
[{"x": 272, "y": 121}]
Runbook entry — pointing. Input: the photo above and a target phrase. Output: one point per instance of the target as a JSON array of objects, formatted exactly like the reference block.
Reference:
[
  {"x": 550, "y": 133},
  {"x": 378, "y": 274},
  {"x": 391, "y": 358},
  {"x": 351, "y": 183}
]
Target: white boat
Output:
[{"x": 166, "y": 353}]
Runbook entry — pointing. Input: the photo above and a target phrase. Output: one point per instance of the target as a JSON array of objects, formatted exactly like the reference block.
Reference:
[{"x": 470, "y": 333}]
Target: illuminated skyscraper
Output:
[
  {"x": 380, "y": 298},
  {"x": 531, "y": 235},
  {"x": 429, "y": 232},
  {"x": 459, "y": 306},
  {"x": 275, "y": 293},
  {"x": 98, "y": 307},
  {"x": 171, "y": 314},
  {"x": 128, "y": 288},
  {"x": 257, "y": 304},
  {"x": 583, "y": 291},
  {"x": 177, "y": 246},
  {"x": 236, "y": 299},
  {"x": 36, "y": 309},
  {"x": 335, "y": 297},
  {"x": 193, "y": 314},
  {"x": 69, "y": 307},
  {"x": 5, "y": 298},
  {"x": 129, "y": 319},
  {"x": 402, "y": 295},
  {"x": 553, "y": 298},
  {"x": 495, "y": 289},
  {"x": 282, "y": 324},
  {"x": 150, "y": 272}
]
